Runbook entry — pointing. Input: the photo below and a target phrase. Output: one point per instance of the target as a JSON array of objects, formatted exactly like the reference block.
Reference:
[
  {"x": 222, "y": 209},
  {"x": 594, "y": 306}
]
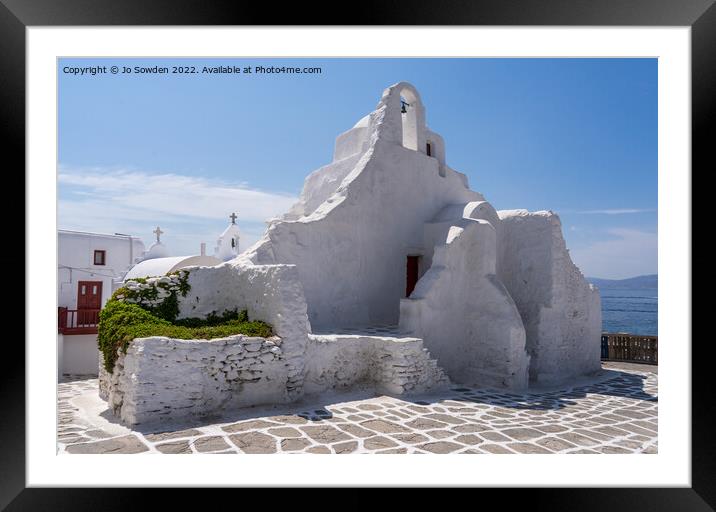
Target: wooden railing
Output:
[
  {"x": 77, "y": 321},
  {"x": 632, "y": 348}
]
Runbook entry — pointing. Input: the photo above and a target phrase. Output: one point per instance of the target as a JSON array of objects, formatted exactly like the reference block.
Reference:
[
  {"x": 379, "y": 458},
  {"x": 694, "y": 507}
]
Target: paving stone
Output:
[
  {"x": 440, "y": 447},
  {"x": 578, "y": 439},
  {"x": 369, "y": 407},
  {"x": 401, "y": 415},
  {"x": 254, "y": 442},
  {"x": 470, "y": 428},
  {"x": 248, "y": 425},
  {"x": 631, "y": 414},
  {"x": 345, "y": 447},
  {"x": 210, "y": 444},
  {"x": 446, "y": 418},
  {"x": 355, "y": 430},
  {"x": 522, "y": 434},
  {"x": 74, "y": 439},
  {"x": 469, "y": 439},
  {"x": 378, "y": 442},
  {"x": 440, "y": 434},
  {"x": 288, "y": 445},
  {"x": 98, "y": 434},
  {"x": 593, "y": 434},
  {"x": 613, "y": 449},
  {"x": 412, "y": 438},
  {"x": 527, "y": 448},
  {"x": 495, "y": 448},
  {"x": 384, "y": 427},
  {"x": 394, "y": 450},
  {"x": 319, "y": 449},
  {"x": 554, "y": 444},
  {"x": 174, "y": 447},
  {"x": 425, "y": 424},
  {"x": 164, "y": 436},
  {"x": 284, "y": 432},
  {"x": 611, "y": 431},
  {"x": 125, "y": 444},
  {"x": 494, "y": 436},
  {"x": 635, "y": 429},
  {"x": 325, "y": 433}
]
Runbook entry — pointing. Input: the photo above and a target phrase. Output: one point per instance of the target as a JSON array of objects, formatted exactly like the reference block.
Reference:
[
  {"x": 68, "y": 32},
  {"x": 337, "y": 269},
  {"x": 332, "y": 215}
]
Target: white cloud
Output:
[
  {"x": 194, "y": 208},
  {"x": 174, "y": 195},
  {"x": 628, "y": 253}
]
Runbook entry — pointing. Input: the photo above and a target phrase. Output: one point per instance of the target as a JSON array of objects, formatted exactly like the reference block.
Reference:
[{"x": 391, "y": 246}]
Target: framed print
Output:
[{"x": 438, "y": 234}]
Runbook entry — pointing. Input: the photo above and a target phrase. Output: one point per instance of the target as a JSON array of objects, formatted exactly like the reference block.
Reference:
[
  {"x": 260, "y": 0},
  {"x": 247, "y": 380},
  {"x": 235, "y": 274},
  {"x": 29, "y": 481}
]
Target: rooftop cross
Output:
[
  {"x": 157, "y": 232},
  {"x": 233, "y": 218}
]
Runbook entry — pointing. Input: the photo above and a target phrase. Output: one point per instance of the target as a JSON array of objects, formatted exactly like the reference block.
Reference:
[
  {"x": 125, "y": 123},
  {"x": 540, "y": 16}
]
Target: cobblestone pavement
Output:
[{"x": 614, "y": 413}]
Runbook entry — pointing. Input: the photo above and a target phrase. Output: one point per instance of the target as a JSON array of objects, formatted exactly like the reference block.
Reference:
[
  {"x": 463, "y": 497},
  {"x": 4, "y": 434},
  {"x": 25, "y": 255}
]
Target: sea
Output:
[{"x": 630, "y": 310}]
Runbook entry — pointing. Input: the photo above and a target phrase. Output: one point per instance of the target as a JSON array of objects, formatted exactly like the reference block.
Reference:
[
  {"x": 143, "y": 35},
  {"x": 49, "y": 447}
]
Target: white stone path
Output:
[{"x": 613, "y": 413}]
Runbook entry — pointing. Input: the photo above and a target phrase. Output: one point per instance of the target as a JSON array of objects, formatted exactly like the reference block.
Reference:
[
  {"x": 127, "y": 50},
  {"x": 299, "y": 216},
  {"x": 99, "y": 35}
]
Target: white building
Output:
[
  {"x": 388, "y": 233},
  {"x": 157, "y": 262},
  {"x": 87, "y": 265},
  {"x": 388, "y": 272},
  {"x": 162, "y": 266},
  {"x": 227, "y": 246}
]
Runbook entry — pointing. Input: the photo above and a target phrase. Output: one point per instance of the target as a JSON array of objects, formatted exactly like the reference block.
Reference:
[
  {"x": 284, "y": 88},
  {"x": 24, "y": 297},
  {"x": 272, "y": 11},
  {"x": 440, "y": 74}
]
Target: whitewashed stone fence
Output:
[{"x": 160, "y": 378}]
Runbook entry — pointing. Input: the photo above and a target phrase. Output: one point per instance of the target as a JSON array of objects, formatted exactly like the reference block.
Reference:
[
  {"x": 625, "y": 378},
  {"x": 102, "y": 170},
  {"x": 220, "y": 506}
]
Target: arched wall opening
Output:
[{"x": 409, "y": 108}]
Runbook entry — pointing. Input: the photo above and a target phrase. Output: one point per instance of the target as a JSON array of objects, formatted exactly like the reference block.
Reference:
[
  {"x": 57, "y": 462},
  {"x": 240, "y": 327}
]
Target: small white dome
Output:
[{"x": 157, "y": 250}]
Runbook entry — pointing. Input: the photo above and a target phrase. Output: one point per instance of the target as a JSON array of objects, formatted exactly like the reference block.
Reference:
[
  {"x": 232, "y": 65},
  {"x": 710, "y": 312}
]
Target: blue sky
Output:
[{"x": 577, "y": 136}]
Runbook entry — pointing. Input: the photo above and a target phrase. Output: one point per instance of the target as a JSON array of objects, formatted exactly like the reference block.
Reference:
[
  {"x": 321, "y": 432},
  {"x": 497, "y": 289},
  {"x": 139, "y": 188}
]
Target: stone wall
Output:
[
  {"x": 271, "y": 293},
  {"x": 560, "y": 310},
  {"x": 161, "y": 378},
  {"x": 386, "y": 364}
]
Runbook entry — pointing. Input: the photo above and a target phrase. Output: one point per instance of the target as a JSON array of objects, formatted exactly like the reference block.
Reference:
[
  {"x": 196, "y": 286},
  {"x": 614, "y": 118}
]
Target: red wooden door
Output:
[
  {"x": 89, "y": 301},
  {"x": 412, "y": 275},
  {"x": 89, "y": 295}
]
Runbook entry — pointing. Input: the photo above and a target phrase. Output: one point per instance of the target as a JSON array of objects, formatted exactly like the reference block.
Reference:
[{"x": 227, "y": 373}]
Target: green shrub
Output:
[
  {"x": 156, "y": 294},
  {"x": 214, "y": 319}
]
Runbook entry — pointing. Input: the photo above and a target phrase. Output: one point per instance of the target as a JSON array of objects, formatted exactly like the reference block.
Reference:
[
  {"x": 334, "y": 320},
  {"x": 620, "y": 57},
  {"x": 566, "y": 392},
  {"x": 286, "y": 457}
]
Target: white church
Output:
[{"x": 390, "y": 271}]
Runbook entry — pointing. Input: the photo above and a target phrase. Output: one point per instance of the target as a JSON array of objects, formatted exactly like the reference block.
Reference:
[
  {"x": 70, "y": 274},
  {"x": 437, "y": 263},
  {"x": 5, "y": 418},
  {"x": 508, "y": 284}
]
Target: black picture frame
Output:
[{"x": 700, "y": 15}]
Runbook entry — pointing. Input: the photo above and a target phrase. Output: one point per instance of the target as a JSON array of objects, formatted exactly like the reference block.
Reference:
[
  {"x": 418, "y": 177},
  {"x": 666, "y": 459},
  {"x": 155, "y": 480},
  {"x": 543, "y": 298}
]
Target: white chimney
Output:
[{"x": 203, "y": 249}]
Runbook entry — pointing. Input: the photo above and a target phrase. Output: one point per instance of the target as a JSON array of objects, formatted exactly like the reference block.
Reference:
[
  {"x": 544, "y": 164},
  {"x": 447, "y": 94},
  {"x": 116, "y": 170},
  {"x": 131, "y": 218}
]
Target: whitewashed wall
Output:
[
  {"x": 464, "y": 313},
  {"x": 161, "y": 379},
  {"x": 561, "y": 311},
  {"x": 388, "y": 365},
  {"x": 351, "y": 249},
  {"x": 78, "y": 354}
]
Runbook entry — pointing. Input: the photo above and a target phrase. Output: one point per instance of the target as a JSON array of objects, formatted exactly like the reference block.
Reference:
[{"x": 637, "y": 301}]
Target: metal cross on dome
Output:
[
  {"x": 233, "y": 217},
  {"x": 158, "y": 232}
]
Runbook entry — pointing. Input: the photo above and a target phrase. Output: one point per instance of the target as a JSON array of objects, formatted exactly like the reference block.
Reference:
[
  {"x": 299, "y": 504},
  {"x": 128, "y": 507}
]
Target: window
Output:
[
  {"x": 99, "y": 257},
  {"x": 429, "y": 149}
]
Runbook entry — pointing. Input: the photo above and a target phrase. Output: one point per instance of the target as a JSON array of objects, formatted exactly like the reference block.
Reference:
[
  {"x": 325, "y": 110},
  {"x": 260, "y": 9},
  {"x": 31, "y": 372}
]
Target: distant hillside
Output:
[{"x": 650, "y": 281}]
